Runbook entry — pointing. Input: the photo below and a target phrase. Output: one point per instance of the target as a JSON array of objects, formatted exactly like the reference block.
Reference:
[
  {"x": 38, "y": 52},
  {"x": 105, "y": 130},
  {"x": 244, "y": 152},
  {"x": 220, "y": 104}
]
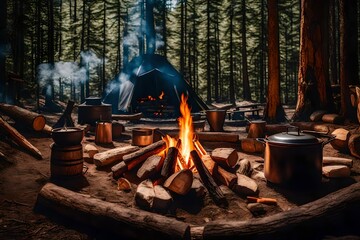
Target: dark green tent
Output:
[{"x": 150, "y": 84}]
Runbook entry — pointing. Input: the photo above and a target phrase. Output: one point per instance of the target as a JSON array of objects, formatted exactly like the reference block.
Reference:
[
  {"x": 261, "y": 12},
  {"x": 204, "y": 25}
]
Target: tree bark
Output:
[
  {"x": 314, "y": 90},
  {"x": 3, "y": 42},
  {"x": 245, "y": 75}
]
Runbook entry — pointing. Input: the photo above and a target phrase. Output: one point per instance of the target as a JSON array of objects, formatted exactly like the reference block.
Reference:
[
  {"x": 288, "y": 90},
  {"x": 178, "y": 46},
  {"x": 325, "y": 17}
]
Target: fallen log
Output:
[
  {"x": 135, "y": 158},
  {"x": 127, "y": 117},
  {"x": 19, "y": 138},
  {"x": 23, "y": 116},
  {"x": 218, "y": 137},
  {"x": 125, "y": 223},
  {"x": 354, "y": 145},
  {"x": 208, "y": 181},
  {"x": 307, "y": 218},
  {"x": 337, "y": 161},
  {"x": 150, "y": 167},
  {"x": 113, "y": 155}
]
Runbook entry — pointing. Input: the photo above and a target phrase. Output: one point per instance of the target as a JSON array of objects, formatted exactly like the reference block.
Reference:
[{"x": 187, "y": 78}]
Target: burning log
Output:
[
  {"x": 354, "y": 145},
  {"x": 150, "y": 167},
  {"x": 225, "y": 177},
  {"x": 111, "y": 217},
  {"x": 225, "y": 156},
  {"x": 113, "y": 155},
  {"x": 336, "y": 171},
  {"x": 168, "y": 167},
  {"x": 245, "y": 186},
  {"x": 133, "y": 159},
  {"x": 65, "y": 119},
  {"x": 127, "y": 117},
  {"x": 19, "y": 138},
  {"x": 337, "y": 161},
  {"x": 209, "y": 163},
  {"x": 23, "y": 116},
  {"x": 218, "y": 137},
  {"x": 310, "y": 217},
  {"x": 200, "y": 149},
  {"x": 213, "y": 189},
  {"x": 341, "y": 140},
  {"x": 180, "y": 182}
]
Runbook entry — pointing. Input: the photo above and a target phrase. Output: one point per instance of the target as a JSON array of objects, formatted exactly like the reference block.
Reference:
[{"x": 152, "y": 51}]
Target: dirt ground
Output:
[{"x": 22, "y": 177}]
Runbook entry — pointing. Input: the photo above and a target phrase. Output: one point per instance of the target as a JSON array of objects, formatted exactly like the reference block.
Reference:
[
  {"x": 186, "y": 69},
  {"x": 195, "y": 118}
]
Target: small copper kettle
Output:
[{"x": 103, "y": 132}]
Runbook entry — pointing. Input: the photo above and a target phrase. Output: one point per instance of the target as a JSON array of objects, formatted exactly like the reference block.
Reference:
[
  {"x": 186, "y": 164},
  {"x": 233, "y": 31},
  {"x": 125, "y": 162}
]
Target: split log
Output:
[
  {"x": 354, "y": 145},
  {"x": 209, "y": 163},
  {"x": 180, "y": 182},
  {"x": 109, "y": 217},
  {"x": 317, "y": 115},
  {"x": 225, "y": 177},
  {"x": 133, "y": 159},
  {"x": 144, "y": 196},
  {"x": 113, "y": 155},
  {"x": 225, "y": 156},
  {"x": 337, "y": 161},
  {"x": 47, "y": 129},
  {"x": 332, "y": 118},
  {"x": 65, "y": 119},
  {"x": 341, "y": 140},
  {"x": 19, "y": 138},
  {"x": 358, "y": 104},
  {"x": 150, "y": 167},
  {"x": 23, "y": 116},
  {"x": 91, "y": 150},
  {"x": 244, "y": 167},
  {"x": 251, "y": 145},
  {"x": 168, "y": 167},
  {"x": 208, "y": 181},
  {"x": 218, "y": 137},
  {"x": 123, "y": 185},
  {"x": 127, "y": 117},
  {"x": 162, "y": 199},
  {"x": 336, "y": 171},
  {"x": 245, "y": 186},
  {"x": 197, "y": 188},
  {"x": 308, "y": 218}
]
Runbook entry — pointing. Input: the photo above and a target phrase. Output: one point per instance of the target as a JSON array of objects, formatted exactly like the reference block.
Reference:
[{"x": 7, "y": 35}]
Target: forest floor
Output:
[{"x": 22, "y": 179}]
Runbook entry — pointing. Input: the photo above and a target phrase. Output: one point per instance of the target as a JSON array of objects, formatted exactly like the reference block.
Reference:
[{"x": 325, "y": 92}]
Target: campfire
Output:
[{"x": 155, "y": 107}]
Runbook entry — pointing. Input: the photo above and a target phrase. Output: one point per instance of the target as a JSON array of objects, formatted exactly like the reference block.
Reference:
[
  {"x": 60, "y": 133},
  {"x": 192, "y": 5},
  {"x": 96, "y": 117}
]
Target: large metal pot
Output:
[
  {"x": 93, "y": 110},
  {"x": 294, "y": 158}
]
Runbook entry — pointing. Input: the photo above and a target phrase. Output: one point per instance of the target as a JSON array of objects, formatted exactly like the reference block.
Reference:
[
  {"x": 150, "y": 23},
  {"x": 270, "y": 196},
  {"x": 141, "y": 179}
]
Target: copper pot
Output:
[
  {"x": 294, "y": 159},
  {"x": 216, "y": 119},
  {"x": 103, "y": 132},
  {"x": 145, "y": 136}
]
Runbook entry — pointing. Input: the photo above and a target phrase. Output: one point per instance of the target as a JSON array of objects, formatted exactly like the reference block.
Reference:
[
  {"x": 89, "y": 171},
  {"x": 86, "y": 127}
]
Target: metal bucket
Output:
[
  {"x": 66, "y": 161},
  {"x": 216, "y": 119}
]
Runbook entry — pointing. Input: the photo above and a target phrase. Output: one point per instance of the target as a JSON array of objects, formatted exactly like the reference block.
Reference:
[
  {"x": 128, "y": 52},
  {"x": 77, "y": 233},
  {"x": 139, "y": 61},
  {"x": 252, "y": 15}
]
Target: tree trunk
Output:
[
  {"x": 245, "y": 75},
  {"x": 3, "y": 42},
  {"x": 314, "y": 91},
  {"x": 231, "y": 46},
  {"x": 150, "y": 28},
  {"x": 274, "y": 111},
  {"x": 348, "y": 55},
  {"x": 208, "y": 53},
  {"x": 332, "y": 43}
]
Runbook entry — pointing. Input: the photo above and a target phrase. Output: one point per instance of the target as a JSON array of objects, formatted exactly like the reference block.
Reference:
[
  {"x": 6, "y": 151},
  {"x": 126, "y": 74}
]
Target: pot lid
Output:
[{"x": 293, "y": 138}]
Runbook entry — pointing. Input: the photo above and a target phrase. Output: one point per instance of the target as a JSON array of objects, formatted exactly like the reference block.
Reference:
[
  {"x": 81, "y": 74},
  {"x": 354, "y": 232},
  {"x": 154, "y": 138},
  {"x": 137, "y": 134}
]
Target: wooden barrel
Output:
[{"x": 66, "y": 161}]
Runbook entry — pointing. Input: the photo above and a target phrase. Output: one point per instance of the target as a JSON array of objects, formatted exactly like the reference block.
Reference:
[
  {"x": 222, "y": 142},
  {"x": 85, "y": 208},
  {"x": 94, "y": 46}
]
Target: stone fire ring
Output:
[{"x": 131, "y": 223}]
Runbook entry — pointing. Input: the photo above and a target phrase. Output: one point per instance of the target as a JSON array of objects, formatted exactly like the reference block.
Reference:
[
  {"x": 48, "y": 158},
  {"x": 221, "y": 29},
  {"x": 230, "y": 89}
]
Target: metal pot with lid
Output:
[
  {"x": 294, "y": 158},
  {"x": 93, "y": 110}
]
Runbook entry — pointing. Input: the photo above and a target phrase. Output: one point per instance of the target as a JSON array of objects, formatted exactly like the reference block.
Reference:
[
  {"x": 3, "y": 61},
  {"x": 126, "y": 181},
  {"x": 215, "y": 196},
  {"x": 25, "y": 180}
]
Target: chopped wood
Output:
[
  {"x": 332, "y": 118},
  {"x": 201, "y": 150},
  {"x": 150, "y": 167},
  {"x": 317, "y": 115},
  {"x": 264, "y": 200},
  {"x": 162, "y": 199},
  {"x": 215, "y": 192},
  {"x": 119, "y": 169},
  {"x": 251, "y": 145},
  {"x": 113, "y": 155},
  {"x": 358, "y": 102},
  {"x": 123, "y": 185},
  {"x": 209, "y": 163},
  {"x": 168, "y": 167},
  {"x": 225, "y": 177},
  {"x": 218, "y": 137},
  {"x": 225, "y": 156},
  {"x": 309, "y": 217},
  {"x": 244, "y": 167},
  {"x": 127, "y": 117},
  {"x": 91, "y": 150},
  {"x": 336, "y": 171},
  {"x": 257, "y": 129},
  {"x": 354, "y": 145},
  {"x": 180, "y": 182},
  {"x": 19, "y": 139},
  {"x": 65, "y": 119},
  {"x": 258, "y": 175},
  {"x": 144, "y": 196},
  {"x": 341, "y": 140},
  {"x": 121, "y": 222},
  {"x": 23, "y": 116},
  {"x": 197, "y": 188},
  {"x": 337, "y": 161},
  {"x": 312, "y": 126},
  {"x": 47, "y": 129},
  {"x": 245, "y": 186}
]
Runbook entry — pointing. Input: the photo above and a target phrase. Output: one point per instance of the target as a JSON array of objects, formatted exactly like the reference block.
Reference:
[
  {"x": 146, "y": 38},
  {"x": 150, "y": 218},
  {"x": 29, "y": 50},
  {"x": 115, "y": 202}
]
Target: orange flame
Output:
[{"x": 161, "y": 95}]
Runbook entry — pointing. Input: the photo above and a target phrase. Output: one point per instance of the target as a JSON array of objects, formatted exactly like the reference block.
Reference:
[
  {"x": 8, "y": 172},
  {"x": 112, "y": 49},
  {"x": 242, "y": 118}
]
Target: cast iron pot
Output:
[
  {"x": 294, "y": 159},
  {"x": 69, "y": 136}
]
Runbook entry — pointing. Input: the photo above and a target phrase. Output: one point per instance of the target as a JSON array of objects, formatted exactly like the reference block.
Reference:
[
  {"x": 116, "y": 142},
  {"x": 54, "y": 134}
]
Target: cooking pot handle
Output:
[
  {"x": 262, "y": 140},
  {"x": 321, "y": 134}
]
